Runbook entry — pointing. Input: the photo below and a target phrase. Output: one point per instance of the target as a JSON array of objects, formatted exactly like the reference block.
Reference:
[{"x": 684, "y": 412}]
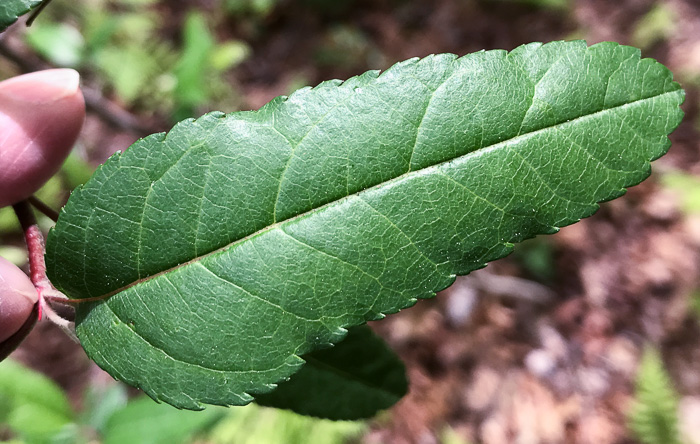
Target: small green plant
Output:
[
  {"x": 237, "y": 257},
  {"x": 198, "y": 71},
  {"x": 546, "y": 4},
  {"x": 686, "y": 187},
  {"x": 654, "y": 416},
  {"x": 142, "y": 68},
  {"x": 657, "y": 25},
  {"x": 35, "y": 410},
  {"x": 256, "y": 8}
]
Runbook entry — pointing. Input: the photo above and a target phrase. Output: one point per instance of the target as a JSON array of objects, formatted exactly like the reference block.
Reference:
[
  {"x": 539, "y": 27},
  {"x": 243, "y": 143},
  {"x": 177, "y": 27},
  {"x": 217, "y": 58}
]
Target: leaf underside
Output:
[
  {"x": 11, "y": 10},
  {"x": 236, "y": 243},
  {"x": 353, "y": 380}
]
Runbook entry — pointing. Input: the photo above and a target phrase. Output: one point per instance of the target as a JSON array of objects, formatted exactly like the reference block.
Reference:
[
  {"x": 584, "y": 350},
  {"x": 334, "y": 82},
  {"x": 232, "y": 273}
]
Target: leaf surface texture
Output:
[
  {"x": 237, "y": 243},
  {"x": 352, "y": 380},
  {"x": 11, "y": 10}
]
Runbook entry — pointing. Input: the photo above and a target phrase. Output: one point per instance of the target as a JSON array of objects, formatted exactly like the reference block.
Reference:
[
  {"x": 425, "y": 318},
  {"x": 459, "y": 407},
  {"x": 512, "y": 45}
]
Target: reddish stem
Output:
[{"x": 35, "y": 248}]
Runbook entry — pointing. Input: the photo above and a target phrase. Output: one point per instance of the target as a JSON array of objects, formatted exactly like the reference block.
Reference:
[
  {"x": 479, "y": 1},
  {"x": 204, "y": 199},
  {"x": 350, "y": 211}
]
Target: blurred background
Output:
[{"x": 589, "y": 336}]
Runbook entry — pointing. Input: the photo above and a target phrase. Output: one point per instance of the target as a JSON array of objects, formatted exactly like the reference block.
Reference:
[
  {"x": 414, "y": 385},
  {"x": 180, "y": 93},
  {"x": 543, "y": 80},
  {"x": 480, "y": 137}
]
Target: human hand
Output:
[
  {"x": 18, "y": 298},
  {"x": 41, "y": 115}
]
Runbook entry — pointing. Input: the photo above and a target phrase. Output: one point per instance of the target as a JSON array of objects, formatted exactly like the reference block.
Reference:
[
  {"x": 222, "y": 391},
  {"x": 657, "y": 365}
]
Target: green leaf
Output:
[
  {"x": 11, "y": 10},
  {"x": 654, "y": 415},
  {"x": 143, "y": 421},
  {"x": 234, "y": 244},
  {"x": 353, "y": 380},
  {"x": 198, "y": 71},
  {"x": 656, "y": 25},
  {"x": 686, "y": 187},
  {"x": 62, "y": 44},
  {"x": 51, "y": 193},
  {"x": 259, "y": 8},
  {"x": 562, "y": 5},
  {"x": 259, "y": 425},
  {"x": 191, "y": 69},
  {"x": 76, "y": 171},
  {"x": 32, "y": 405},
  {"x": 100, "y": 403}
]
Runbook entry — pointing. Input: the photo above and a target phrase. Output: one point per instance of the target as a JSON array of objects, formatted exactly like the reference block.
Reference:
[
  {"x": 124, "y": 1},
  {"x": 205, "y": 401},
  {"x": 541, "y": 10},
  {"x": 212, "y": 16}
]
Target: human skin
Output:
[
  {"x": 17, "y": 298},
  {"x": 41, "y": 115}
]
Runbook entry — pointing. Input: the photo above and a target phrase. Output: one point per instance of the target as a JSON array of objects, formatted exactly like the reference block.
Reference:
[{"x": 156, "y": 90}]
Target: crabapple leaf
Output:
[
  {"x": 226, "y": 249},
  {"x": 352, "y": 380},
  {"x": 11, "y": 10}
]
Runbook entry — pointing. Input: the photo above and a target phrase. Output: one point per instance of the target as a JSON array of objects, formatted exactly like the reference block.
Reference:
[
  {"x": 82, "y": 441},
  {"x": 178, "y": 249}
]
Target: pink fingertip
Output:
[
  {"x": 42, "y": 86},
  {"x": 41, "y": 115}
]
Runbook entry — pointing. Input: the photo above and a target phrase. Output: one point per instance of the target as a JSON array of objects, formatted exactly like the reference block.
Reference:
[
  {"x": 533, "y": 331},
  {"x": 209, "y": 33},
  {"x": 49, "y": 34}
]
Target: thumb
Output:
[
  {"x": 18, "y": 298},
  {"x": 41, "y": 114}
]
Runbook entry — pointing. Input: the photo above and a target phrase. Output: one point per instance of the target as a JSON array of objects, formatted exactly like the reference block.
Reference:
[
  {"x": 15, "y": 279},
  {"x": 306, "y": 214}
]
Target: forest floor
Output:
[{"x": 543, "y": 346}]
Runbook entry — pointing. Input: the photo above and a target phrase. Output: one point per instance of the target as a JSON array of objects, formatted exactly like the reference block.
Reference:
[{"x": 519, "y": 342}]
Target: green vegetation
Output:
[
  {"x": 34, "y": 410},
  {"x": 11, "y": 10},
  {"x": 130, "y": 54},
  {"x": 323, "y": 236},
  {"x": 653, "y": 417},
  {"x": 304, "y": 210}
]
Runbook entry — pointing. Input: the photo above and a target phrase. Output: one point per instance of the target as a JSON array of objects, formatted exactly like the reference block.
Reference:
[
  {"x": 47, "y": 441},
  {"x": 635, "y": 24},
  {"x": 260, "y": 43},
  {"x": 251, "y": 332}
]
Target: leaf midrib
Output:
[{"x": 390, "y": 181}]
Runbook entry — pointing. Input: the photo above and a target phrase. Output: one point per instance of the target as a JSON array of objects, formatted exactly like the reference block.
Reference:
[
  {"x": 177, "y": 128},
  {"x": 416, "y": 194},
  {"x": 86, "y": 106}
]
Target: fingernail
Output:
[
  {"x": 41, "y": 114},
  {"x": 46, "y": 86}
]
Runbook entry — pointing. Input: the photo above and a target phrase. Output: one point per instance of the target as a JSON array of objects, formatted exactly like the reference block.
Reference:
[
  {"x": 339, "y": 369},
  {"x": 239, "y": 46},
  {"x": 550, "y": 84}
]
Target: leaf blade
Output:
[
  {"x": 11, "y": 10},
  {"x": 271, "y": 232},
  {"x": 142, "y": 420},
  {"x": 352, "y": 380}
]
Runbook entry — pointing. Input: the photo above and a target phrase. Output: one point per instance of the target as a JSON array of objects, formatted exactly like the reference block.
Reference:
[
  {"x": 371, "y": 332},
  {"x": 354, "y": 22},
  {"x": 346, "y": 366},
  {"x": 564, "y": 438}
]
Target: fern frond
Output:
[{"x": 654, "y": 415}]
